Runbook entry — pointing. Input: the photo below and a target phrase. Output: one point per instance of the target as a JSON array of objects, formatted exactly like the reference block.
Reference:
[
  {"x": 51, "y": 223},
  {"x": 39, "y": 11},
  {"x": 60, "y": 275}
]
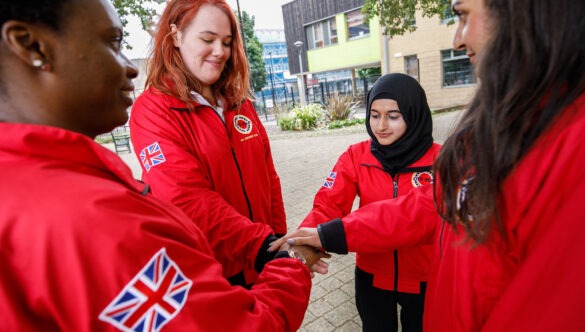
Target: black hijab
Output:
[{"x": 412, "y": 102}]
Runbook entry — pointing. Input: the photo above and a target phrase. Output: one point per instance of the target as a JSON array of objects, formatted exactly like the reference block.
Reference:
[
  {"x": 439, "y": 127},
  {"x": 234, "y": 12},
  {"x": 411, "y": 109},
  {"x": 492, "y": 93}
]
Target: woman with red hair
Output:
[{"x": 199, "y": 138}]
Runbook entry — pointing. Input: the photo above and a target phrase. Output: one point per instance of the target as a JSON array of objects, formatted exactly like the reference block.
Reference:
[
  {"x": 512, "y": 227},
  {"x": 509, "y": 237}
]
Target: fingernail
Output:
[{"x": 290, "y": 241}]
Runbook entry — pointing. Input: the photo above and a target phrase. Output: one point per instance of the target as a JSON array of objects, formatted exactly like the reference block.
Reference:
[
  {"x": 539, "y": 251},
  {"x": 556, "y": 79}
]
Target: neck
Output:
[{"x": 209, "y": 96}]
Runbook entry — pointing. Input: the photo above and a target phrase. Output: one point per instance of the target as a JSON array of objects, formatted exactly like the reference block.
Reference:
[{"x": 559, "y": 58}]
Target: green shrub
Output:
[
  {"x": 340, "y": 107},
  {"x": 285, "y": 123},
  {"x": 345, "y": 123},
  {"x": 301, "y": 118}
]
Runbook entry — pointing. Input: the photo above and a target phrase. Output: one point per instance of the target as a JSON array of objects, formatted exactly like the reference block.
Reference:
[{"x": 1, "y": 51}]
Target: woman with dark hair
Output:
[
  {"x": 511, "y": 233},
  {"x": 199, "y": 138},
  {"x": 397, "y": 158},
  {"x": 85, "y": 247}
]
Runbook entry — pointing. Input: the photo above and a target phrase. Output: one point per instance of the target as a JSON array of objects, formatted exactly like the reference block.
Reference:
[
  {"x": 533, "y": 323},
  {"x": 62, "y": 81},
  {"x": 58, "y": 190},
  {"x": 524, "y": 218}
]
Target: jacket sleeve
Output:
[
  {"x": 276, "y": 302},
  {"x": 109, "y": 255},
  {"x": 278, "y": 214},
  {"x": 182, "y": 180},
  {"x": 384, "y": 225},
  {"x": 335, "y": 197}
]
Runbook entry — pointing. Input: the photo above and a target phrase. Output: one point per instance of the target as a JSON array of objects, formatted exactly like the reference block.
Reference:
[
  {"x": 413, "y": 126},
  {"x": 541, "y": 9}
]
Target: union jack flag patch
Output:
[
  {"x": 330, "y": 180},
  {"x": 151, "y": 156},
  {"x": 151, "y": 299}
]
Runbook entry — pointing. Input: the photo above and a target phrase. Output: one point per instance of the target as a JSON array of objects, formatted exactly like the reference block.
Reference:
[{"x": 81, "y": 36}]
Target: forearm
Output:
[{"x": 382, "y": 226}]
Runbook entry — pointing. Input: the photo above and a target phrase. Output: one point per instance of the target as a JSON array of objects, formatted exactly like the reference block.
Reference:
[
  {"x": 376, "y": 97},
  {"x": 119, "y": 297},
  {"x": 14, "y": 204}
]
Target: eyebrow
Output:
[
  {"x": 390, "y": 111},
  {"x": 115, "y": 30}
]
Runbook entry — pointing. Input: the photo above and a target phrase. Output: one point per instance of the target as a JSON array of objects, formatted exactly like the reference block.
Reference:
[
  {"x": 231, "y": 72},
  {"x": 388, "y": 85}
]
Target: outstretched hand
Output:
[{"x": 302, "y": 236}]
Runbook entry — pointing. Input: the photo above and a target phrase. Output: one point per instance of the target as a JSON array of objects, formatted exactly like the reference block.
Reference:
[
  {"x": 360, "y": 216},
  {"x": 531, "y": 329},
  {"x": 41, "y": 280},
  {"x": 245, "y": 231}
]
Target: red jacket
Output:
[
  {"x": 220, "y": 174},
  {"x": 533, "y": 282},
  {"x": 78, "y": 232},
  {"x": 359, "y": 173}
]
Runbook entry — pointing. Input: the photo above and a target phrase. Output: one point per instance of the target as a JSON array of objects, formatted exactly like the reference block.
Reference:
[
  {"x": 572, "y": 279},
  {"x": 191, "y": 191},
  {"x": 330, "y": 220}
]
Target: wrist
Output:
[{"x": 291, "y": 253}]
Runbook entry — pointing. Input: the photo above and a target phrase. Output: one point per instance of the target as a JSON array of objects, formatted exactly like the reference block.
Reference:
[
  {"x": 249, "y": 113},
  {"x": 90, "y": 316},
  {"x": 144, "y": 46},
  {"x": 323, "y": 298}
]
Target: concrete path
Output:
[{"x": 303, "y": 160}]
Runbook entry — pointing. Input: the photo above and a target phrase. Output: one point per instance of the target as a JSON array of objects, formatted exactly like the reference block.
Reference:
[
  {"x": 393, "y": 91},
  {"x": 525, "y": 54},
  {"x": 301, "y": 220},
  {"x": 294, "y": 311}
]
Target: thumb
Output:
[{"x": 304, "y": 240}]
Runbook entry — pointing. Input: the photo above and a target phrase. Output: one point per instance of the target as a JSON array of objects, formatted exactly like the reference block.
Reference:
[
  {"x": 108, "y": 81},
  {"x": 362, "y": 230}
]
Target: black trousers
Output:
[{"x": 378, "y": 307}]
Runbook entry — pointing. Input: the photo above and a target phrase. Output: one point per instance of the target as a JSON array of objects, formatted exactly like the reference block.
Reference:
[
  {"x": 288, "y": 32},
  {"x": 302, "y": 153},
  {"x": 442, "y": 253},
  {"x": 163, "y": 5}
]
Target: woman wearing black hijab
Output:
[{"x": 397, "y": 158}]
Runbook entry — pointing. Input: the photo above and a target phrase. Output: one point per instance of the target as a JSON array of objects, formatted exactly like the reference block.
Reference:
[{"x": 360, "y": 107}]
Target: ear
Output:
[
  {"x": 176, "y": 35},
  {"x": 25, "y": 41}
]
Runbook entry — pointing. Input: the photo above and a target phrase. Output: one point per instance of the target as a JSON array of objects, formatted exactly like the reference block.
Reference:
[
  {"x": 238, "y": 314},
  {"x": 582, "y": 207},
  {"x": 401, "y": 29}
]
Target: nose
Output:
[
  {"x": 458, "y": 43},
  {"x": 218, "y": 48},
  {"x": 131, "y": 70},
  {"x": 382, "y": 125}
]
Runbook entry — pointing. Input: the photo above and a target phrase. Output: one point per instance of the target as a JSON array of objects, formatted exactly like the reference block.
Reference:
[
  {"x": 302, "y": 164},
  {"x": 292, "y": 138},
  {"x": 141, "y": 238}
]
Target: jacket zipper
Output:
[
  {"x": 395, "y": 194},
  {"x": 395, "y": 182},
  {"x": 237, "y": 164}
]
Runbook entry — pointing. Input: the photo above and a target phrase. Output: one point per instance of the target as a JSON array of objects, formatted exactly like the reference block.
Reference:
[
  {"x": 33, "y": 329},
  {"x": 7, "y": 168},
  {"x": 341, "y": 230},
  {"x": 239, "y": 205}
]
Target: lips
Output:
[
  {"x": 215, "y": 64},
  {"x": 127, "y": 93}
]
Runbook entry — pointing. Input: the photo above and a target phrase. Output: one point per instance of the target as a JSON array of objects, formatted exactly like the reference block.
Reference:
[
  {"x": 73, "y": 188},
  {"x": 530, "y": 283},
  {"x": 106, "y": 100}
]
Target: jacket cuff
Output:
[
  {"x": 264, "y": 256},
  {"x": 332, "y": 236}
]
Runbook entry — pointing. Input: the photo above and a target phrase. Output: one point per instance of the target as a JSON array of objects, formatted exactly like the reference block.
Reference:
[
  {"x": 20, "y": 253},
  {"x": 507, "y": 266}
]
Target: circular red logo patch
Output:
[
  {"x": 422, "y": 179},
  {"x": 242, "y": 124}
]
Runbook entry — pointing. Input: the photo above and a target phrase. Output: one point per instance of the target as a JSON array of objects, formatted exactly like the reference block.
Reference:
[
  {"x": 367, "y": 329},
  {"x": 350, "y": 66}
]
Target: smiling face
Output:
[
  {"x": 386, "y": 121},
  {"x": 205, "y": 45},
  {"x": 91, "y": 88},
  {"x": 473, "y": 30}
]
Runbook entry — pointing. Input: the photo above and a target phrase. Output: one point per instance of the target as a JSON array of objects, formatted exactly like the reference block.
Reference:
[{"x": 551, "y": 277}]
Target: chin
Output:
[{"x": 386, "y": 142}]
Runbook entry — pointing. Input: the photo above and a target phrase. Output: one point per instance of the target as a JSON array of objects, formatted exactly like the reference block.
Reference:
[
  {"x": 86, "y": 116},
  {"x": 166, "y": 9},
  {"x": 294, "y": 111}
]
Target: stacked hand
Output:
[{"x": 306, "y": 242}]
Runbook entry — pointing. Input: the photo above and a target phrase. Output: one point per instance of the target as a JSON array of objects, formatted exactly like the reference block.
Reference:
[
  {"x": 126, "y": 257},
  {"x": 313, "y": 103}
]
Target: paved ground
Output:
[{"x": 303, "y": 160}]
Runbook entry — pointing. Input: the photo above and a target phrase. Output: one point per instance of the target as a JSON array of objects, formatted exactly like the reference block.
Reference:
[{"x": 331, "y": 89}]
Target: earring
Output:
[{"x": 40, "y": 64}]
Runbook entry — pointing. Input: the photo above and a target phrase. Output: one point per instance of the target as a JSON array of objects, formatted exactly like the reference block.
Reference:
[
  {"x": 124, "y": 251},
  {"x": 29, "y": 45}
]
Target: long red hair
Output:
[{"x": 167, "y": 72}]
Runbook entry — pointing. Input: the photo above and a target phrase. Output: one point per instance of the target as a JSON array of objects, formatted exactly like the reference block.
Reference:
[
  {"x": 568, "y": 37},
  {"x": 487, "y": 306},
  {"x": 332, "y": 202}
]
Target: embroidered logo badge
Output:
[
  {"x": 151, "y": 156},
  {"x": 422, "y": 178},
  {"x": 242, "y": 124},
  {"x": 150, "y": 300},
  {"x": 330, "y": 180}
]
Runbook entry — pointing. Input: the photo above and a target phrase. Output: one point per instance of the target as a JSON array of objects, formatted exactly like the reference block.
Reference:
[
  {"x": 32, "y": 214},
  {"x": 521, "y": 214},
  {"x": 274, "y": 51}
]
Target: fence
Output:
[{"x": 317, "y": 91}]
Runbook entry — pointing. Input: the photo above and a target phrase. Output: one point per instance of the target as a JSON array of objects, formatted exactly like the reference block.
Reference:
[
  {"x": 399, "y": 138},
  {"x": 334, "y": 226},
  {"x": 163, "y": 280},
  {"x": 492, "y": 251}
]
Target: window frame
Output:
[
  {"x": 454, "y": 57},
  {"x": 406, "y": 66},
  {"x": 364, "y": 23},
  {"x": 319, "y": 34}
]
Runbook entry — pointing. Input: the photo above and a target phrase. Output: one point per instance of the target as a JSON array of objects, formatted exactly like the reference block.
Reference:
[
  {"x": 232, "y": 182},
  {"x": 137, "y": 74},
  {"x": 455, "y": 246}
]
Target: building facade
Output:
[
  {"x": 336, "y": 38},
  {"x": 276, "y": 64},
  {"x": 329, "y": 40},
  {"x": 428, "y": 55}
]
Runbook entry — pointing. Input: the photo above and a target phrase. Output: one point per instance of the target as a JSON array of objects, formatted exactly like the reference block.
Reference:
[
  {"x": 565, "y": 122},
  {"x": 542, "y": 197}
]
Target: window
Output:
[
  {"x": 357, "y": 25},
  {"x": 411, "y": 66},
  {"x": 457, "y": 70},
  {"x": 322, "y": 33},
  {"x": 448, "y": 15},
  {"x": 333, "y": 31}
]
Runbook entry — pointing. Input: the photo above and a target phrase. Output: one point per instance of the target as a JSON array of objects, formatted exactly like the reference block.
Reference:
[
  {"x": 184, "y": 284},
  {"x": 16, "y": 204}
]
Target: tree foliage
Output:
[
  {"x": 397, "y": 16},
  {"x": 254, "y": 53},
  {"x": 143, "y": 9},
  {"x": 366, "y": 72}
]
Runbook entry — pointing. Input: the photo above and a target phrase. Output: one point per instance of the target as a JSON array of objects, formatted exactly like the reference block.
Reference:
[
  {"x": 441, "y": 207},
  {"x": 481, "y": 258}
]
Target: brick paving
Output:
[{"x": 303, "y": 160}]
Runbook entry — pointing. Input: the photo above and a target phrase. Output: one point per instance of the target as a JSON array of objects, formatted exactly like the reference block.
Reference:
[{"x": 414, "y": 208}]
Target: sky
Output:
[{"x": 267, "y": 13}]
